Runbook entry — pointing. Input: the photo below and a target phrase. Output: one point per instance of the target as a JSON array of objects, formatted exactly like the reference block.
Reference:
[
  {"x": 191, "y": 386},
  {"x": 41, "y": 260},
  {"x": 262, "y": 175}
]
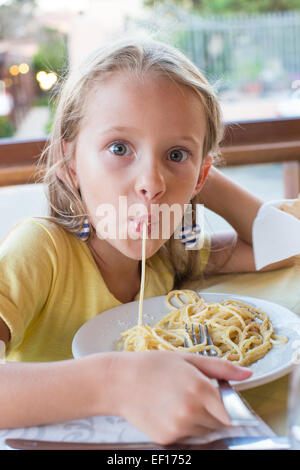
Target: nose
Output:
[{"x": 151, "y": 182}]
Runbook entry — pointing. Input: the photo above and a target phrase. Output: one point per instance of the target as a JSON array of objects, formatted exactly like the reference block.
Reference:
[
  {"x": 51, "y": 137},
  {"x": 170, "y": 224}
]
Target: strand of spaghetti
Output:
[{"x": 140, "y": 321}]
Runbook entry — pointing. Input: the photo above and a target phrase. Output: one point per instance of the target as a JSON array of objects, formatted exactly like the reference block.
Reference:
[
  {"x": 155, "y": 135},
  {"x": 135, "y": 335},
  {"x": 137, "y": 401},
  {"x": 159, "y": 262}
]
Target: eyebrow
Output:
[
  {"x": 119, "y": 128},
  {"x": 125, "y": 128},
  {"x": 190, "y": 139}
]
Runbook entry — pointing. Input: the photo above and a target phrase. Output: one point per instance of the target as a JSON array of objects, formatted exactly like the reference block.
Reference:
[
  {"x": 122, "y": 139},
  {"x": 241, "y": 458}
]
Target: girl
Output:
[{"x": 137, "y": 120}]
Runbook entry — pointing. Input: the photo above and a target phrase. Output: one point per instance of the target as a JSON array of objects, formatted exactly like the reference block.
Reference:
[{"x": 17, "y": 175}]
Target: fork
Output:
[{"x": 238, "y": 412}]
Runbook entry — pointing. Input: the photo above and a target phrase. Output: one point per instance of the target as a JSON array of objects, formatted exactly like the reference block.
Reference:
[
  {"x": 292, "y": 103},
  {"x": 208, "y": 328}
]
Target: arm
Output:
[
  {"x": 165, "y": 394},
  {"x": 39, "y": 393},
  {"x": 232, "y": 251}
]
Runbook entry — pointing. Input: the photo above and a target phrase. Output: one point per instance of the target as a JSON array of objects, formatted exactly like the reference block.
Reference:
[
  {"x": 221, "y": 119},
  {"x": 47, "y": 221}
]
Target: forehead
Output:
[{"x": 123, "y": 99}]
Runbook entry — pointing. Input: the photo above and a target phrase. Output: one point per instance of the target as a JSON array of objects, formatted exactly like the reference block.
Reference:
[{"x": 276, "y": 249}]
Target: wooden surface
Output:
[
  {"x": 254, "y": 132},
  {"x": 18, "y": 153},
  {"x": 281, "y": 286},
  {"x": 26, "y": 174},
  {"x": 252, "y": 154},
  {"x": 291, "y": 179},
  {"x": 244, "y": 143}
]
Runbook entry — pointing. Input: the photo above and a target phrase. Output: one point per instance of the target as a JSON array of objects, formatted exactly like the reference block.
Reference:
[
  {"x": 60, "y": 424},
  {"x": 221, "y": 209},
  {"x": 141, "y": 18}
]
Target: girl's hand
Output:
[{"x": 168, "y": 395}]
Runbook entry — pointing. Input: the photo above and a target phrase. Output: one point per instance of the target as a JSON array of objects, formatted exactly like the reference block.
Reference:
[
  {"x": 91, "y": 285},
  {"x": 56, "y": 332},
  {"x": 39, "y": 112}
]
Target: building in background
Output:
[
  {"x": 254, "y": 61},
  {"x": 100, "y": 22}
]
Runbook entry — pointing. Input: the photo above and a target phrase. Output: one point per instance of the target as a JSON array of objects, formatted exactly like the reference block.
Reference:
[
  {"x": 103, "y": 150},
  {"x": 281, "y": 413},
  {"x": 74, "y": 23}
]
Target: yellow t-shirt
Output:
[{"x": 50, "y": 286}]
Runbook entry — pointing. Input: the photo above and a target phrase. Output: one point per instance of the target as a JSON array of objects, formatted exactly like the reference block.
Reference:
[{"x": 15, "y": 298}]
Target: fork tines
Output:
[
  {"x": 238, "y": 411},
  {"x": 204, "y": 339}
]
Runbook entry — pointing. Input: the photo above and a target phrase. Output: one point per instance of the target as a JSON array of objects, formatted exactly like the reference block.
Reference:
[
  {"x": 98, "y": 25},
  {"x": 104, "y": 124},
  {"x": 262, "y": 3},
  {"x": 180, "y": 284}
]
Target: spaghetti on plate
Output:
[{"x": 240, "y": 332}]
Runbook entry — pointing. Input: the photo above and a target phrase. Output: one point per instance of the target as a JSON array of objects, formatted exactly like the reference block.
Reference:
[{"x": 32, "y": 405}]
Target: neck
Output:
[
  {"x": 120, "y": 273},
  {"x": 111, "y": 260}
]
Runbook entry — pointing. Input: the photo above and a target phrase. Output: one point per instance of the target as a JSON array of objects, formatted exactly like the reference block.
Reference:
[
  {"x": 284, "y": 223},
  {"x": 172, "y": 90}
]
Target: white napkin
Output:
[
  {"x": 275, "y": 234},
  {"x": 116, "y": 429}
]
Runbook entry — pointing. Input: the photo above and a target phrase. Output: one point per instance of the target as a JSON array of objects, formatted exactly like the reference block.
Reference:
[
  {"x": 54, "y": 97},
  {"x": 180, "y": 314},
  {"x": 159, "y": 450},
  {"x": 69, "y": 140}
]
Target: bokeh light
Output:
[
  {"x": 14, "y": 70},
  {"x": 23, "y": 68},
  {"x": 46, "y": 80}
]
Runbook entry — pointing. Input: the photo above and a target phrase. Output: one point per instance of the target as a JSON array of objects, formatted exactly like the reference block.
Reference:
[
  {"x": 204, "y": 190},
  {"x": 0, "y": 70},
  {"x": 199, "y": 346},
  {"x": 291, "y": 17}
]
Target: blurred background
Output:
[{"x": 249, "y": 50}]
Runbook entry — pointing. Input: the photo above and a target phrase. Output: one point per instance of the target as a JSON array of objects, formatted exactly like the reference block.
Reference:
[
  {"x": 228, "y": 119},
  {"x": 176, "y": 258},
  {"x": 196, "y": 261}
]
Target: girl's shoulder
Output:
[
  {"x": 46, "y": 225},
  {"x": 39, "y": 233}
]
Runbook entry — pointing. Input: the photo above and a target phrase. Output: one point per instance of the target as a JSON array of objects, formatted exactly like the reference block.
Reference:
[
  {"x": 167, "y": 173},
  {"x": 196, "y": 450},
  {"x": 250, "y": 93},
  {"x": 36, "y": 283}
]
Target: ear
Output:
[
  {"x": 68, "y": 150},
  {"x": 203, "y": 175}
]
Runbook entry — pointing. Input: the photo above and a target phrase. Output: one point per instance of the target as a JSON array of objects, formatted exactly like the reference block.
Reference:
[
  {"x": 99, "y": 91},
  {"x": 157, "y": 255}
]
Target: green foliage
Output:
[
  {"x": 6, "y": 127},
  {"x": 181, "y": 3},
  {"x": 51, "y": 56},
  {"x": 42, "y": 100},
  {"x": 231, "y": 6},
  {"x": 253, "y": 6},
  {"x": 49, "y": 124}
]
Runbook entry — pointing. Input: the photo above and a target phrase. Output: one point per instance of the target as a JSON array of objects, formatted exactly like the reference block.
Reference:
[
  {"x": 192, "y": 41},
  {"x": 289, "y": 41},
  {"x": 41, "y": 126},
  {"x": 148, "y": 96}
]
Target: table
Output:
[
  {"x": 281, "y": 286},
  {"x": 269, "y": 401}
]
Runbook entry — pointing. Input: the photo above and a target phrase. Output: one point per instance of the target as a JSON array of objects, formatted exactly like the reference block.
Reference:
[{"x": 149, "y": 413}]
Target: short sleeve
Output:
[{"x": 27, "y": 265}]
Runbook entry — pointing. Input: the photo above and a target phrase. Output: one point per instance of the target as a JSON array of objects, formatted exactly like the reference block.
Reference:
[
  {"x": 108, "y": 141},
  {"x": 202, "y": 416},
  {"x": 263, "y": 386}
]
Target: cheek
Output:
[
  {"x": 89, "y": 165},
  {"x": 184, "y": 186},
  {"x": 93, "y": 177},
  {"x": 93, "y": 185}
]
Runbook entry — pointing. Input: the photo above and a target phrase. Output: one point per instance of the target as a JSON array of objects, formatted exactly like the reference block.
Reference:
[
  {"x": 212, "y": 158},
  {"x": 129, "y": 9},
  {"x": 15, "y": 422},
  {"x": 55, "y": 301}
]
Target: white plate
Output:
[{"x": 101, "y": 333}]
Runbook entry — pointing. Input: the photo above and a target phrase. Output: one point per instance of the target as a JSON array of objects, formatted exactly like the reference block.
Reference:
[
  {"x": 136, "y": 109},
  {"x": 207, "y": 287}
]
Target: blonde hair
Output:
[{"x": 138, "y": 56}]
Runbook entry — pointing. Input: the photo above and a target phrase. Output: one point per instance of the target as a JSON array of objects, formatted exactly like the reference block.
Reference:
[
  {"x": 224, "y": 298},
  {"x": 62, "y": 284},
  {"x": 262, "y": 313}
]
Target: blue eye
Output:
[
  {"x": 178, "y": 155},
  {"x": 119, "y": 149}
]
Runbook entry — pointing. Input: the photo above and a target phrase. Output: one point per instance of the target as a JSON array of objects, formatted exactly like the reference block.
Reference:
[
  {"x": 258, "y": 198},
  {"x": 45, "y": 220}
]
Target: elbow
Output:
[{"x": 285, "y": 263}]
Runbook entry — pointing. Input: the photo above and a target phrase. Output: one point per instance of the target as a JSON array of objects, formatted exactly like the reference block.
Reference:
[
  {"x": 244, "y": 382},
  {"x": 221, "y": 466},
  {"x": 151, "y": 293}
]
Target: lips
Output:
[
  {"x": 139, "y": 227},
  {"x": 139, "y": 222}
]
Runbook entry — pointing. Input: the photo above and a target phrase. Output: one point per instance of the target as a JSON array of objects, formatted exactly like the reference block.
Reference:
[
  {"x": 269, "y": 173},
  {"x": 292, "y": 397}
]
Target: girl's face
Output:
[{"x": 142, "y": 140}]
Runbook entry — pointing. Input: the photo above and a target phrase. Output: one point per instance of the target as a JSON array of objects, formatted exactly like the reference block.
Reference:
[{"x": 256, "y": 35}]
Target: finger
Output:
[
  {"x": 217, "y": 410},
  {"x": 214, "y": 416},
  {"x": 201, "y": 431},
  {"x": 209, "y": 410},
  {"x": 197, "y": 431},
  {"x": 216, "y": 368}
]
